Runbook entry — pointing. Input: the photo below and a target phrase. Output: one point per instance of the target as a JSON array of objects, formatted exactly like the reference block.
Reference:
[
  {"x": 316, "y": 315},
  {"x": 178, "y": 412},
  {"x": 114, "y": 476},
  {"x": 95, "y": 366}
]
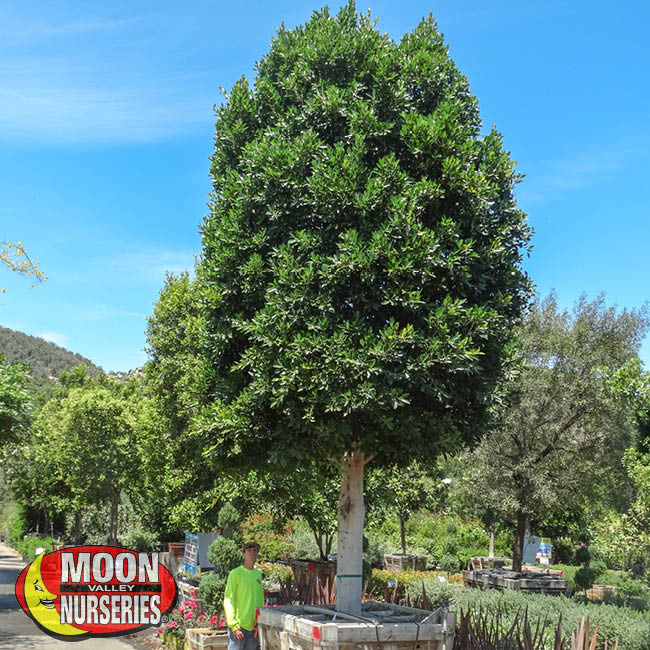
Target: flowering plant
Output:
[{"x": 185, "y": 617}]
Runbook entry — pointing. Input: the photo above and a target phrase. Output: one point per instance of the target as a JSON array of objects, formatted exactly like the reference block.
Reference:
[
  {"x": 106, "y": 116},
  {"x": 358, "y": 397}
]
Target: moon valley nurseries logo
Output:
[{"x": 92, "y": 591}]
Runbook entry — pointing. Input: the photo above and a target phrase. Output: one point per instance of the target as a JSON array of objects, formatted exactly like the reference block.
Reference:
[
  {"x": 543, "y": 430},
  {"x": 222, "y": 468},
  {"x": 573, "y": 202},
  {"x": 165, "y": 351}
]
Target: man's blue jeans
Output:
[{"x": 249, "y": 642}]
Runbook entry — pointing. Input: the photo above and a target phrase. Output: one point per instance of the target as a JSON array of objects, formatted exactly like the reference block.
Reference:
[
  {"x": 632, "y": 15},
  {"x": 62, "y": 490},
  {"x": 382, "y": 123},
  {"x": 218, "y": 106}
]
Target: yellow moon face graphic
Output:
[{"x": 40, "y": 602}]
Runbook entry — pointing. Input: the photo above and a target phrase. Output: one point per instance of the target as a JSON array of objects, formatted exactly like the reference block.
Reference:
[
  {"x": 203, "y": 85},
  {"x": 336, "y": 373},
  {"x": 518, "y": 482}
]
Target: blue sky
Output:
[{"x": 106, "y": 123}]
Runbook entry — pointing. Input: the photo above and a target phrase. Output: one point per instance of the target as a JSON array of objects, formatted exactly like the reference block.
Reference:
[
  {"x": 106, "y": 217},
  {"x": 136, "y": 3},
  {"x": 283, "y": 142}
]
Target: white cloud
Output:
[
  {"x": 54, "y": 337},
  {"x": 151, "y": 266},
  {"x": 101, "y": 312},
  {"x": 97, "y": 74},
  {"x": 582, "y": 170}
]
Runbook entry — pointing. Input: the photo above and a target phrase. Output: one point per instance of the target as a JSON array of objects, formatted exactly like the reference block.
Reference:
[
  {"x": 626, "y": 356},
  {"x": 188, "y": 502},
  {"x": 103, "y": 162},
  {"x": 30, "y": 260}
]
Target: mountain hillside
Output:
[{"x": 46, "y": 359}]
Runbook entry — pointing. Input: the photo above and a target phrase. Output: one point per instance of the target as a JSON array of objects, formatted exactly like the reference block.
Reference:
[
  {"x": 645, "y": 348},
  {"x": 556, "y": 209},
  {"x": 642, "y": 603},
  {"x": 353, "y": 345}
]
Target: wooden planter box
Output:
[
  {"x": 396, "y": 562},
  {"x": 204, "y": 639},
  {"x": 386, "y": 627},
  {"x": 600, "y": 592},
  {"x": 536, "y": 583}
]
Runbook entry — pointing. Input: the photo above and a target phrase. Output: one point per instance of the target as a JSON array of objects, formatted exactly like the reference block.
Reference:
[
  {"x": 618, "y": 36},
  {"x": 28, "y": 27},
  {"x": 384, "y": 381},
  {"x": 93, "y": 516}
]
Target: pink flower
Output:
[
  {"x": 174, "y": 624},
  {"x": 181, "y": 610},
  {"x": 188, "y": 615},
  {"x": 191, "y": 604},
  {"x": 160, "y": 630},
  {"x": 213, "y": 620}
]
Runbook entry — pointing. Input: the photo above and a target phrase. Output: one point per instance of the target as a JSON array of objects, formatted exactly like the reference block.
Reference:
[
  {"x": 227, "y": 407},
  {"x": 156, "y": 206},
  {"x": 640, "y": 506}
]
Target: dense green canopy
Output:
[{"x": 361, "y": 270}]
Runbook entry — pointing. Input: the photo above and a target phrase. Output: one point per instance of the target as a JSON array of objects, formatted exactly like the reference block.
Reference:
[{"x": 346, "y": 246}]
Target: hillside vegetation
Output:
[{"x": 45, "y": 359}]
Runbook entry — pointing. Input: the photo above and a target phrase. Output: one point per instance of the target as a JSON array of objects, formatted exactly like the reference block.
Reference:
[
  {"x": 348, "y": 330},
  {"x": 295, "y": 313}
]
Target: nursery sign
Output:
[
  {"x": 191, "y": 552},
  {"x": 95, "y": 591}
]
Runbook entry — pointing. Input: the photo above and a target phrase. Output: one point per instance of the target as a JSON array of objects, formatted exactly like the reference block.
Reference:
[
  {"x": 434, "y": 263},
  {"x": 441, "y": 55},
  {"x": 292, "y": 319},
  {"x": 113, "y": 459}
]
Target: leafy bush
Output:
[
  {"x": 141, "y": 540},
  {"x": 409, "y": 585},
  {"x": 449, "y": 563},
  {"x": 18, "y": 526},
  {"x": 211, "y": 589},
  {"x": 583, "y": 556},
  {"x": 225, "y": 554},
  {"x": 617, "y": 541},
  {"x": 301, "y": 539},
  {"x": 272, "y": 537},
  {"x": 438, "y": 591},
  {"x": 8, "y": 512},
  {"x": 584, "y": 577},
  {"x": 27, "y": 547},
  {"x": 630, "y": 627},
  {"x": 631, "y": 593},
  {"x": 228, "y": 519},
  {"x": 450, "y": 546},
  {"x": 564, "y": 550},
  {"x": 274, "y": 574}
]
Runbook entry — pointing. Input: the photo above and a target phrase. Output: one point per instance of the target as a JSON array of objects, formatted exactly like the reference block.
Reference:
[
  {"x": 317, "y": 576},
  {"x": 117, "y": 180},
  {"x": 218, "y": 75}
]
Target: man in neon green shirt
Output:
[{"x": 244, "y": 594}]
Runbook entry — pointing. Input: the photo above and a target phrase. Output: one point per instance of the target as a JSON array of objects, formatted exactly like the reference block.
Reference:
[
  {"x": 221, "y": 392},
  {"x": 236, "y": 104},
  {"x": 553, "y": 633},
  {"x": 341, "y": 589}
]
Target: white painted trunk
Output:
[
  {"x": 491, "y": 548},
  {"x": 349, "y": 557}
]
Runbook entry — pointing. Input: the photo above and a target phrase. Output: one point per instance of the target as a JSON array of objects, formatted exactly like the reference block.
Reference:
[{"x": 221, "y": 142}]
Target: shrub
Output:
[
  {"x": 631, "y": 628},
  {"x": 228, "y": 519},
  {"x": 301, "y": 540},
  {"x": 27, "y": 546},
  {"x": 211, "y": 589},
  {"x": 270, "y": 535},
  {"x": 564, "y": 550},
  {"x": 18, "y": 526},
  {"x": 8, "y": 512},
  {"x": 437, "y": 592},
  {"x": 584, "y": 577},
  {"x": 582, "y": 556},
  {"x": 225, "y": 554},
  {"x": 449, "y": 563},
  {"x": 141, "y": 540},
  {"x": 274, "y": 574}
]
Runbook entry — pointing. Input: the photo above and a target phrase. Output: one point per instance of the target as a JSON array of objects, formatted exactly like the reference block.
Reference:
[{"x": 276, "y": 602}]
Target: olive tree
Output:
[
  {"x": 564, "y": 431},
  {"x": 360, "y": 272}
]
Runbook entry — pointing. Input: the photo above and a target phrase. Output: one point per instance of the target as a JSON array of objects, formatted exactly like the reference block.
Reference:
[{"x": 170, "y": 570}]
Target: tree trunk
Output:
[
  {"x": 328, "y": 544},
  {"x": 402, "y": 532},
  {"x": 350, "y": 542},
  {"x": 518, "y": 551},
  {"x": 77, "y": 527},
  {"x": 115, "y": 500},
  {"x": 491, "y": 547},
  {"x": 319, "y": 542}
]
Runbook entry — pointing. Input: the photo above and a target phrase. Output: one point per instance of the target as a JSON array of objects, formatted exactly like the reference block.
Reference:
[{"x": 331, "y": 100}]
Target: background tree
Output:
[
  {"x": 89, "y": 439},
  {"x": 401, "y": 491},
  {"x": 360, "y": 272},
  {"x": 14, "y": 401},
  {"x": 563, "y": 434}
]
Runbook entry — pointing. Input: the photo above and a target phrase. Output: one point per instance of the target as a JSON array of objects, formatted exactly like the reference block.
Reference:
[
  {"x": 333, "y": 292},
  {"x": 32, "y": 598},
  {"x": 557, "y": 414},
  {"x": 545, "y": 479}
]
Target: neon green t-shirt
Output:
[{"x": 244, "y": 594}]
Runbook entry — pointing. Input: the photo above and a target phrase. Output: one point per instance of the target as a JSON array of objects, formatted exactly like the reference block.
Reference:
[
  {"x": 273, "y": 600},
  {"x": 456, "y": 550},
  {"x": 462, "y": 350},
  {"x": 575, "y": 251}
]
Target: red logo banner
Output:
[{"x": 92, "y": 591}]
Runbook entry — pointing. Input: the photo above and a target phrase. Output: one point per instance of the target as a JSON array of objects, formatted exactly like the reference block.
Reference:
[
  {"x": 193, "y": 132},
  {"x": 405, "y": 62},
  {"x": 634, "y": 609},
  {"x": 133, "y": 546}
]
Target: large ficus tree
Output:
[{"x": 360, "y": 272}]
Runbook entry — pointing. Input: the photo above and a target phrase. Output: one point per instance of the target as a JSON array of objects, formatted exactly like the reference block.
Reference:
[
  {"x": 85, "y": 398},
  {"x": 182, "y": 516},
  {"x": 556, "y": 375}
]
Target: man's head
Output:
[{"x": 249, "y": 553}]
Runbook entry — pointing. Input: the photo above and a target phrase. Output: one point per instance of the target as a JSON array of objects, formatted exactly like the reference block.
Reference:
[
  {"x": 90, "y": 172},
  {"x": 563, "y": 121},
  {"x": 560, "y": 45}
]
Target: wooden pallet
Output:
[
  {"x": 396, "y": 562},
  {"x": 206, "y": 639}
]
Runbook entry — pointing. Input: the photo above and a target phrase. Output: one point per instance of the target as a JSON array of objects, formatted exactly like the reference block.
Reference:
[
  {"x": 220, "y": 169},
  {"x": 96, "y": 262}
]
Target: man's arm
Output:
[{"x": 229, "y": 605}]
